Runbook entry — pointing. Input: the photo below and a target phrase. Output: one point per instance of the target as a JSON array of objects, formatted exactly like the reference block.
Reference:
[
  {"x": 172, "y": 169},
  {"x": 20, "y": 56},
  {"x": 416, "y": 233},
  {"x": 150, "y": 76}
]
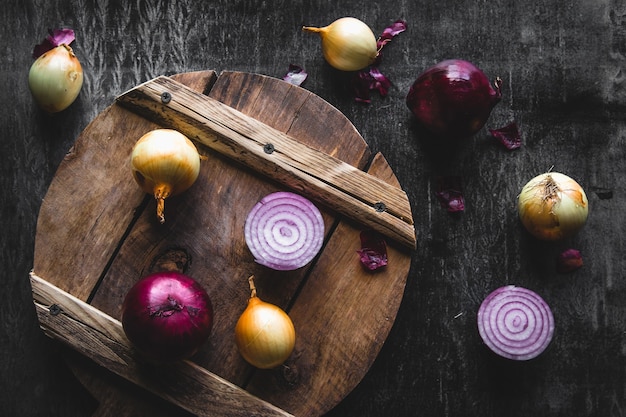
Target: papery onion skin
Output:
[
  {"x": 264, "y": 334},
  {"x": 453, "y": 99},
  {"x": 55, "y": 79},
  {"x": 515, "y": 323},
  {"x": 167, "y": 316},
  {"x": 568, "y": 261},
  {"x": 284, "y": 231},
  {"x": 553, "y": 206},
  {"x": 348, "y": 44},
  {"x": 164, "y": 163}
]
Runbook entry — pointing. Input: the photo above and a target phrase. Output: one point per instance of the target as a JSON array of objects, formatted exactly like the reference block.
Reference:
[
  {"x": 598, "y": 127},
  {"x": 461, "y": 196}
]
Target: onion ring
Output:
[
  {"x": 515, "y": 323},
  {"x": 284, "y": 231}
]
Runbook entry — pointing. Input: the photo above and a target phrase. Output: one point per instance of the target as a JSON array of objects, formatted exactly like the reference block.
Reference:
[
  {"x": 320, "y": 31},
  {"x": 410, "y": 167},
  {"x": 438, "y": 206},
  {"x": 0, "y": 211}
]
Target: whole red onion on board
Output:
[
  {"x": 167, "y": 316},
  {"x": 453, "y": 99}
]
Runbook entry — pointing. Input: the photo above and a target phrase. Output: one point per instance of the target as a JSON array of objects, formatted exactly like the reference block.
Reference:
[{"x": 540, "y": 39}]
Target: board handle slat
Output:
[
  {"x": 317, "y": 175},
  {"x": 101, "y": 338}
]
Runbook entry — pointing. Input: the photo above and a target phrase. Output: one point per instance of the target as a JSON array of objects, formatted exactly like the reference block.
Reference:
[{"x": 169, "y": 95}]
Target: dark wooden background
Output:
[{"x": 563, "y": 64}]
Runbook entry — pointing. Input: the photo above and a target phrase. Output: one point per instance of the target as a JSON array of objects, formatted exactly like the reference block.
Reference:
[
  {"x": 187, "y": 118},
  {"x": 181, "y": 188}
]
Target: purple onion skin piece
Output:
[
  {"x": 453, "y": 99},
  {"x": 515, "y": 323}
]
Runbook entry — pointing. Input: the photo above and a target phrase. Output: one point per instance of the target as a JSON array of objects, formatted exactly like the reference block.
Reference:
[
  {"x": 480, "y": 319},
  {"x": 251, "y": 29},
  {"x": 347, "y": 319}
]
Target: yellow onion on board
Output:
[
  {"x": 164, "y": 163},
  {"x": 265, "y": 335}
]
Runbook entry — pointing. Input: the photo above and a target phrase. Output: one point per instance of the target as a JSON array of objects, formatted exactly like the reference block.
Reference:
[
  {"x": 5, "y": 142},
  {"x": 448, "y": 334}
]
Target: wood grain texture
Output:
[{"x": 563, "y": 67}]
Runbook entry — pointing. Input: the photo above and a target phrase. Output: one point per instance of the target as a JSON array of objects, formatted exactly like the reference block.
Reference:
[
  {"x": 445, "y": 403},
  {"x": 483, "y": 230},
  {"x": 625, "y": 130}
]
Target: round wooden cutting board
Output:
[{"x": 97, "y": 234}]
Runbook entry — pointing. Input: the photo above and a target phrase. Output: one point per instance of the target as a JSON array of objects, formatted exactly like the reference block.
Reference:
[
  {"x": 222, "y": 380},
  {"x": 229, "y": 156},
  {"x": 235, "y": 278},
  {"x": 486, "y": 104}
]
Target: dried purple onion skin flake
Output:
[
  {"x": 568, "y": 261},
  {"x": 450, "y": 193},
  {"x": 296, "y": 75},
  {"x": 509, "y": 136},
  {"x": 373, "y": 252},
  {"x": 389, "y": 33},
  {"x": 371, "y": 78},
  {"x": 55, "y": 38},
  {"x": 366, "y": 81}
]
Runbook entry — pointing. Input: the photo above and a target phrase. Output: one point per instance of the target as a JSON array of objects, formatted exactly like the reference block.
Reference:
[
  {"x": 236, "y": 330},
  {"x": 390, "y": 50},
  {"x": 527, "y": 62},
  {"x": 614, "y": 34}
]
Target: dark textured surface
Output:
[{"x": 563, "y": 66}]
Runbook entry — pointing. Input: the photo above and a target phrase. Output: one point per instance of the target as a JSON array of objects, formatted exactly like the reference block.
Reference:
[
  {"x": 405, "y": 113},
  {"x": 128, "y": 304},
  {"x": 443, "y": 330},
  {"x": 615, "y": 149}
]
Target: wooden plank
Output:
[
  {"x": 319, "y": 176},
  {"x": 101, "y": 338}
]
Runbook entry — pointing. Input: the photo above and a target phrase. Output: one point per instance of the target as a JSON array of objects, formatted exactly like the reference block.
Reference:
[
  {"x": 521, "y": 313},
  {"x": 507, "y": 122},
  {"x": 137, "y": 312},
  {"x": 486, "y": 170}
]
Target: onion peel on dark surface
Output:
[
  {"x": 55, "y": 38},
  {"x": 388, "y": 34},
  {"x": 295, "y": 75},
  {"x": 366, "y": 81},
  {"x": 373, "y": 252},
  {"x": 568, "y": 261},
  {"x": 372, "y": 78},
  {"x": 449, "y": 192},
  {"x": 508, "y": 135}
]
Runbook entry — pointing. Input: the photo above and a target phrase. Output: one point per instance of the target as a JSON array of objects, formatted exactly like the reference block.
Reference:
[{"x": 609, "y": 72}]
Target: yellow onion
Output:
[
  {"x": 348, "y": 44},
  {"x": 164, "y": 163},
  {"x": 55, "y": 79},
  {"x": 552, "y": 206},
  {"x": 264, "y": 333}
]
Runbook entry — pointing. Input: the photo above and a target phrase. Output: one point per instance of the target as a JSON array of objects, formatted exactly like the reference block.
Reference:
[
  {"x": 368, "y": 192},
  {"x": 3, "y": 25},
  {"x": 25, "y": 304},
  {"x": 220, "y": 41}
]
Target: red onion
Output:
[
  {"x": 453, "y": 98},
  {"x": 284, "y": 231},
  {"x": 515, "y": 323},
  {"x": 167, "y": 316}
]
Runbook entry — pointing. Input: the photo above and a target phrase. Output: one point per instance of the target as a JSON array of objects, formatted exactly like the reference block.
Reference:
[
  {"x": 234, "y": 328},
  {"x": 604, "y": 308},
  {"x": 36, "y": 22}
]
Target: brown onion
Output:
[
  {"x": 552, "y": 206},
  {"x": 164, "y": 162},
  {"x": 55, "y": 79},
  {"x": 264, "y": 333}
]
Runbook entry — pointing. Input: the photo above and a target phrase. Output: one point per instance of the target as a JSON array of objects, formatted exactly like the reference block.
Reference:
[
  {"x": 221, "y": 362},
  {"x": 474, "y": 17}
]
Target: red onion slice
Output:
[
  {"x": 284, "y": 231},
  {"x": 515, "y": 323}
]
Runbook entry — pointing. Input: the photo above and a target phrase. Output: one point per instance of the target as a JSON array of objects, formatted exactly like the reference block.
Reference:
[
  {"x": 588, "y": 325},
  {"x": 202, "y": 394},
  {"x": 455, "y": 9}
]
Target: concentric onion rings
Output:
[
  {"x": 284, "y": 231},
  {"x": 515, "y": 323}
]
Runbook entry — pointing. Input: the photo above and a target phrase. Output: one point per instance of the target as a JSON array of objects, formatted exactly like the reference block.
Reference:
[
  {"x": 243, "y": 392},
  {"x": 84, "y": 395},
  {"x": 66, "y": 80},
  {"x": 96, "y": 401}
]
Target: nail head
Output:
[
  {"x": 268, "y": 148},
  {"x": 54, "y": 309}
]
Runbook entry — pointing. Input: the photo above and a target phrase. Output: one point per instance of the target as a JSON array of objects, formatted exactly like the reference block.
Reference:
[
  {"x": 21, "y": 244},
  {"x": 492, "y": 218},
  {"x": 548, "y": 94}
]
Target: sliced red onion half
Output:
[
  {"x": 515, "y": 323},
  {"x": 284, "y": 231}
]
